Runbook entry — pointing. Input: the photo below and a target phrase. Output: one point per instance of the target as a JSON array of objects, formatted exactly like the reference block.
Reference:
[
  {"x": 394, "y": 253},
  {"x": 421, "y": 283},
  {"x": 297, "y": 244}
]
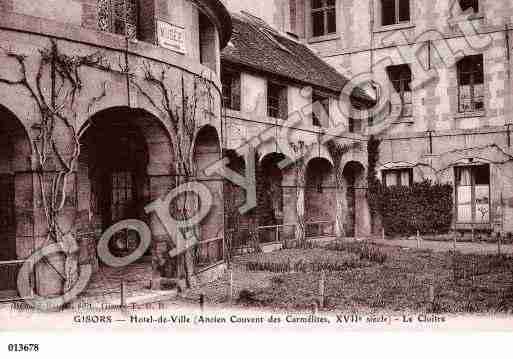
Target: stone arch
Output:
[
  {"x": 320, "y": 197},
  {"x": 126, "y": 161},
  {"x": 270, "y": 178},
  {"x": 17, "y": 192},
  {"x": 318, "y": 151},
  {"x": 207, "y": 151}
]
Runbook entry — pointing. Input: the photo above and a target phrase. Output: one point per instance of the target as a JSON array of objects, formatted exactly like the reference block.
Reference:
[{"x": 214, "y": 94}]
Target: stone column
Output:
[
  {"x": 52, "y": 271},
  {"x": 162, "y": 265},
  {"x": 362, "y": 211}
]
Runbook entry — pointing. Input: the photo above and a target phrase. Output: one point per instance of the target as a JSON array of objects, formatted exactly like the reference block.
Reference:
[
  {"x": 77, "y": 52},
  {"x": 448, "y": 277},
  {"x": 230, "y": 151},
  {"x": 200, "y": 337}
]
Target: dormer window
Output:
[{"x": 119, "y": 17}]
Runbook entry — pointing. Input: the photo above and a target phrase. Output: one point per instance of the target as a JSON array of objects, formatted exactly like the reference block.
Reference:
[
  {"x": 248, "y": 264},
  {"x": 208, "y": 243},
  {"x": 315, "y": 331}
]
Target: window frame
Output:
[
  {"x": 473, "y": 202},
  {"x": 405, "y": 77},
  {"x": 397, "y": 13},
  {"x": 324, "y": 10},
  {"x": 233, "y": 101},
  {"x": 325, "y": 103},
  {"x": 107, "y": 7},
  {"x": 474, "y": 4},
  {"x": 398, "y": 172},
  {"x": 472, "y": 83},
  {"x": 281, "y": 98}
]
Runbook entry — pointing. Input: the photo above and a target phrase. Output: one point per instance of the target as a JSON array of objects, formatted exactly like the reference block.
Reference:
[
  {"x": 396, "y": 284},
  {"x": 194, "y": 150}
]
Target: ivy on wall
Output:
[{"x": 425, "y": 207}]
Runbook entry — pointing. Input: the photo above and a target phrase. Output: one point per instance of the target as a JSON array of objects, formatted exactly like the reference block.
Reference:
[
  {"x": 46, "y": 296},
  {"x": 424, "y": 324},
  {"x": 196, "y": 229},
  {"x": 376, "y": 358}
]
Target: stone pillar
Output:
[
  {"x": 24, "y": 212},
  {"x": 362, "y": 210},
  {"x": 162, "y": 265},
  {"x": 341, "y": 210},
  {"x": 290, "y": 202},
  {"x": 50, "y": 272}
]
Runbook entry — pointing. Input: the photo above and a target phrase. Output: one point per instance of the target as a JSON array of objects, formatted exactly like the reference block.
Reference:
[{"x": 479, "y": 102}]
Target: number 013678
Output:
[{"x": 23, "y": 348}]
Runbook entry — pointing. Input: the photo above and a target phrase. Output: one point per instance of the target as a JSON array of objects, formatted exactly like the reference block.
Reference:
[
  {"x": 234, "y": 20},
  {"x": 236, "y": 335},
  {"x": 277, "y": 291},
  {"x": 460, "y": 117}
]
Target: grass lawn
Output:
[{"x": 400, "y": 284}]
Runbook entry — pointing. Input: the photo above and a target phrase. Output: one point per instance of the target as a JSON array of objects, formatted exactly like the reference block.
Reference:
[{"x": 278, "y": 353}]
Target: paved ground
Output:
[{"x": 108, "y": 280}]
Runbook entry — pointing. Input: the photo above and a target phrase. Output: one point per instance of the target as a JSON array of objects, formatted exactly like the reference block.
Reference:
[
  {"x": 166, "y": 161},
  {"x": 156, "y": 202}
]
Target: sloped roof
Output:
[{"x": 257, "y": 45}]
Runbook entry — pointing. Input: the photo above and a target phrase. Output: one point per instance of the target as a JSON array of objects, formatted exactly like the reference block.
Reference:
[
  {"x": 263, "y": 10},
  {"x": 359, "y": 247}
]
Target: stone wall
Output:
[{"x": 112, "y": 77}]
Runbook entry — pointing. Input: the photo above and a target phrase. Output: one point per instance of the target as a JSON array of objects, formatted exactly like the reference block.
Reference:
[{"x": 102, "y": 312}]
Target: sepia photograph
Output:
[{"x": 323, "y": 165}]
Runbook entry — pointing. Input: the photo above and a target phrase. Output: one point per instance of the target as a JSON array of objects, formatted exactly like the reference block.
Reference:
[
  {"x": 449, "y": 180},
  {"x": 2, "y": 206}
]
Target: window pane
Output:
[
  {"x": 119, "y": 27},
  {"x": 407, "y": 97},
  {"x": 479, "y": 74},
  {"x": 355, "y": 125},
  {"x": 407, "y": 110},
  {"x": 404, "y": 10},
  {"x": 316, "y": 4},
  {"x": 318, "y": 23},
  {"x": 391, "y": 178},
  {"x": 331, "y": 2},
  {"x": 388, "y": 12},
  {"x": 463, "y": 176},
  {"x": 332, "y": 21},
  {"x": 482, "y": 204},
  {"x": 275, "y": 100},
  {"x": 131, "y": 12},
  {"x": 465, "y": 78},
  {"x": 469, "y": 4},
  {"x": 464, "y": 195},
  {"x": 119, "y": 8},
  {"x": 482, "y": 175},
  {"x": 405, "y": 178},
  {"x": 465, "y": 213},
  {"x": 104, "y": 15}
]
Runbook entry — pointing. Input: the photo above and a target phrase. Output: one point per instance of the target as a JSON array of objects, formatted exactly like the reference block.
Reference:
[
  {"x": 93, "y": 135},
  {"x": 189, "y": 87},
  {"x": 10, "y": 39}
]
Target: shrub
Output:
[{"x": 426, "y": 207}]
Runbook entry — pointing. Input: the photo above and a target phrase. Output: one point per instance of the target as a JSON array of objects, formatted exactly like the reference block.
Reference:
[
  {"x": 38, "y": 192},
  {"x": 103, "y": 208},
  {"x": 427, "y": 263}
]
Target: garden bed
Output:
[{"x": 404, "y": 282}]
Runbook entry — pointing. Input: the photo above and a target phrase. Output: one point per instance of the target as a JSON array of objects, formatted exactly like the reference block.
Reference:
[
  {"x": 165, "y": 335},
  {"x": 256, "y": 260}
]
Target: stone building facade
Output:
[
  {"x": 106, "y": 106},
  {"x": 284, "y": 100},
  {"x": 447, "y": 67}
]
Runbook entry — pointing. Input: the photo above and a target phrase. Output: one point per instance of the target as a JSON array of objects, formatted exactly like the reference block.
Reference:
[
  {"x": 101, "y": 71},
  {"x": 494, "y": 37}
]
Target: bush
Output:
[{"x": 424, "y": 207}]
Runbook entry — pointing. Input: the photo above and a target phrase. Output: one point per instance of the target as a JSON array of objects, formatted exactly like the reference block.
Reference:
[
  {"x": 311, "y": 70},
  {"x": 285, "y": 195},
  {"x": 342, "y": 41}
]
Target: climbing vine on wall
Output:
[
  {"x": 182, "y": 106},
  {"x": 300, "y": 177},
  {"x": 337, "y": 152},
  {"x": 374, "y": 184},
  {"x": 54, "y": 88}
]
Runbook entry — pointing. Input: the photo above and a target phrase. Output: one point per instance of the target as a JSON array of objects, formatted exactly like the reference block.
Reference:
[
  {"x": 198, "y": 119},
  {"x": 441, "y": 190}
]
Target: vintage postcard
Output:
[{"x": 330, "y": 165}]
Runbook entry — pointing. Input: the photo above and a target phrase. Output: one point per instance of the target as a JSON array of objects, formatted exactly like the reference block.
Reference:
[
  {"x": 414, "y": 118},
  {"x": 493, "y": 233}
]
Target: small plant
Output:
[{"x": 363, "y": 250}]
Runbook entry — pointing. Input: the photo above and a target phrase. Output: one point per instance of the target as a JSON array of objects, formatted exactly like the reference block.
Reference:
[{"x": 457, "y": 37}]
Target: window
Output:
[
  {"x": 395, "y": 11},
  {"x": 398, "y": 177},
  {"x": 470, "y": 4},
  {"x": 321, "y": 110},
  {"x": 277, "y": 105},
  {"x": 119, "y": 17},
  {"x": 400, "y": 77},
  {"x": 471, "y": 84},
  {"x": 231, "y": 89},
  {"x": 324, "y": 17},
  {"x": 355, "y": 125},
  {"x": 473, "y": 194},
  {"x": 207, "y": 35}
]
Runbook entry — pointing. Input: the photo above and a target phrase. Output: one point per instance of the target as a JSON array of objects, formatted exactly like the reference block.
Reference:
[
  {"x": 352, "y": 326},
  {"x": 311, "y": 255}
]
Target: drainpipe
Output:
[
  {"x": 509, "y": 98},
  {"x": 371, "y": 47}
]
